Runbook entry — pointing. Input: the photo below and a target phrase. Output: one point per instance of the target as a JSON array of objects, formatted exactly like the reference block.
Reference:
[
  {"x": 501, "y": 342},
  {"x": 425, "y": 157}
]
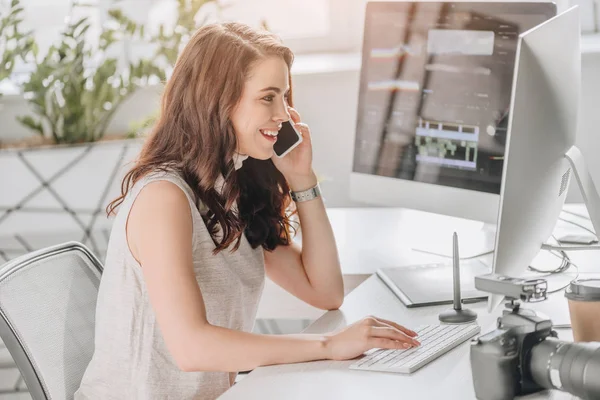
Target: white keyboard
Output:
[{"x": 435, "y": 340}]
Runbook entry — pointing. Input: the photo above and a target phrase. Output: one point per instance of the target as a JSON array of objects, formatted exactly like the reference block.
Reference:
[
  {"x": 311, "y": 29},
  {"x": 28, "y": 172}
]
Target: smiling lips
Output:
[{"x": 270, "y": 135}]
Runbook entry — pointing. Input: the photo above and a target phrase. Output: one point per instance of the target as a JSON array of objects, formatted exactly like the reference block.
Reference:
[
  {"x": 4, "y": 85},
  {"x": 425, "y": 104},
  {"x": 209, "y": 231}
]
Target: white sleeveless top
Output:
[{"x": 131, "y": 360}]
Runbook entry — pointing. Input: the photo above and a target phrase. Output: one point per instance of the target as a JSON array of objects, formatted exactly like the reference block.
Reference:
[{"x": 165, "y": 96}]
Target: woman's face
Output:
[{"x": 262, "y": 108}]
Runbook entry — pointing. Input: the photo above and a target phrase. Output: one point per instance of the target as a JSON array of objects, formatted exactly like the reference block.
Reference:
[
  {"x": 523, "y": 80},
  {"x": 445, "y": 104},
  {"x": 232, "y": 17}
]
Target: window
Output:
[
  {"x": 47, "y": 18},
  {"x": 307, "y": 26},
  {"x": 290, "y": 18},
  {"x": 590, "y": 15}
]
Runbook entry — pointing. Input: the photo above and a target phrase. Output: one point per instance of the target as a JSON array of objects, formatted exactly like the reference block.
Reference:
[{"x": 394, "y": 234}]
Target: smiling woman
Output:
[
  {"x": 203, "y": 216},
  {"x": 262, "y": 108},
  {"x": 236, "y": 102}
]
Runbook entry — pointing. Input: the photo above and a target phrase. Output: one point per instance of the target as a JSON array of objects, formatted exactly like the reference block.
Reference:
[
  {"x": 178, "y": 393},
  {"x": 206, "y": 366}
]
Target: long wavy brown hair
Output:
[{"x": 194, "y": 137}]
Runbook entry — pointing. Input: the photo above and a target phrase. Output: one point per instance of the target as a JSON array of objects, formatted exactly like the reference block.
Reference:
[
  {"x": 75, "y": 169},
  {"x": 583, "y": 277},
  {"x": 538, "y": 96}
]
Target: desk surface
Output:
[
  {"x": 448, "y": 377},
  {"x": 372, "y": 238}
]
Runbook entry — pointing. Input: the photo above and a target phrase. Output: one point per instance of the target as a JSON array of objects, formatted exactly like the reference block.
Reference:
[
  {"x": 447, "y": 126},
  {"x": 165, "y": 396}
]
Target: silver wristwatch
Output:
[{"x": 305, "y": 195}]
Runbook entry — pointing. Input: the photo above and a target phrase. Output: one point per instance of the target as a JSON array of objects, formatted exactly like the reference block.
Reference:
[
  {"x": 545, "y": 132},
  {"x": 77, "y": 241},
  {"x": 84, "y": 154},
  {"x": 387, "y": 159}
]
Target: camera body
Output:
[
  {"x": 501, "y": 359},
  {"x": 523, "y": 354}
]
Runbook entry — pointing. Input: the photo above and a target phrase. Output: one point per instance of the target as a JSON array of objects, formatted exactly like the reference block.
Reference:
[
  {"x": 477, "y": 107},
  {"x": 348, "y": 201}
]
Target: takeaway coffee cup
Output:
[{"x": 584, "y": 309}]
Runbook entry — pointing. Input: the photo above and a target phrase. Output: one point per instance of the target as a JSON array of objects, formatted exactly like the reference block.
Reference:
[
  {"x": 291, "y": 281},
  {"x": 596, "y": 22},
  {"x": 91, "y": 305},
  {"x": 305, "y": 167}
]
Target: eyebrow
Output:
[{"x": 273, "y": 88}]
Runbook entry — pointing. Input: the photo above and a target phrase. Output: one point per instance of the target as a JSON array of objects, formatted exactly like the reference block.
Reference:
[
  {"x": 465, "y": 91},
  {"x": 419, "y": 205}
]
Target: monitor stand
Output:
[
  {"x": 586, "y": 185},
  {"x": 476, "y": 243}
]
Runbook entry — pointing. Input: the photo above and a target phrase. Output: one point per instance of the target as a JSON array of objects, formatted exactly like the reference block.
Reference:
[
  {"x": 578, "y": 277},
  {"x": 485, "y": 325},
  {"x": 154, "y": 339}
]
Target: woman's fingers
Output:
[
  {"x": 302, "y": 128},
  {"x": 384, "y": 322},
  {"x": 384, "y": 343},
  {"x": 294, "y": 115},
  {"x": 398, "y": 326},
  {"x": 389, "y": 332}
]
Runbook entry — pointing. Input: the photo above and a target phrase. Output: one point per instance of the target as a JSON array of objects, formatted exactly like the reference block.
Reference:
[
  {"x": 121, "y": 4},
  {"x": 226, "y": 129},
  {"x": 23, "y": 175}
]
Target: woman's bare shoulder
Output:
[{"x": 160, "y": 214}]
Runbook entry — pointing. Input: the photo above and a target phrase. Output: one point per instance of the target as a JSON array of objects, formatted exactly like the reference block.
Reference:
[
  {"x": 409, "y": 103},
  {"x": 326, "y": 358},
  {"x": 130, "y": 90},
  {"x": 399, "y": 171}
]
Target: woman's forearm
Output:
[
  {"x": 222, "y": 349},
  {"x": 319, "y": 251}
]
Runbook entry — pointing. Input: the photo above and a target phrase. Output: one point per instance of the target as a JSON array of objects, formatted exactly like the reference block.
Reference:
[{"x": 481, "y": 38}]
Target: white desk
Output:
[
  {"x": 372, "y": 238},
  {"x": 448, "y": 377}
]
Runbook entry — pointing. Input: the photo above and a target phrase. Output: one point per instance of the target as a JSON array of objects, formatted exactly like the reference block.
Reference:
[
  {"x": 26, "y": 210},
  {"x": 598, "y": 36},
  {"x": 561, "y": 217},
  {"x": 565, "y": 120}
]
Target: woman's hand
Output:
[
  {"x": 296, "y": 166},
  {"x": 366, "y": 334}
]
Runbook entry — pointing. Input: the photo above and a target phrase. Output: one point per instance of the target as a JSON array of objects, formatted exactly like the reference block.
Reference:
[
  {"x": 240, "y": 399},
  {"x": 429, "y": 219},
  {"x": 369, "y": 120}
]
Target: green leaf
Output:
[
  {"x": 77, "y": 102},
  {"x": 32, "y": 124}
]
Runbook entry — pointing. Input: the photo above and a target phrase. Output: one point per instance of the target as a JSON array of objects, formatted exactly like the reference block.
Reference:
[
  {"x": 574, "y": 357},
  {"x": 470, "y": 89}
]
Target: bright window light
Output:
[{"x": 290, "y": 19}]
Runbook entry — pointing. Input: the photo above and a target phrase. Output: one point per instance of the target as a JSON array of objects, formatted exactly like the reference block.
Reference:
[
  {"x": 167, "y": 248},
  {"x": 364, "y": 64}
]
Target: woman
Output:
[{"x": 202, "y": 217}]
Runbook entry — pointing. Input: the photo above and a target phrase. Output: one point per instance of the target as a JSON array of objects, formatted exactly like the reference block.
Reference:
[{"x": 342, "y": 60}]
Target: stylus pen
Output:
[{"x": 456, "y": 271}]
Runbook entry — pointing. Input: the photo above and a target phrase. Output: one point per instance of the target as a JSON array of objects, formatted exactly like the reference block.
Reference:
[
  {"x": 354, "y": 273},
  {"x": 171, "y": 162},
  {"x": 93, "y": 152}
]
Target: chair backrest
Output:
[{"x": 47, "y": 313}]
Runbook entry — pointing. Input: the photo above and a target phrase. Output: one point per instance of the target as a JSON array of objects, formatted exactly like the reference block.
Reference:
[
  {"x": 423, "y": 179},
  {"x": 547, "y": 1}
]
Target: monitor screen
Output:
[{"x": 435, "y": 90}]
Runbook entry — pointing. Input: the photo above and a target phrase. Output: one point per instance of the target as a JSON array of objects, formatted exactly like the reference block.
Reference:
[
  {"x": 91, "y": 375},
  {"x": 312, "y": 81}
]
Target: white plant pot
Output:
[{"x": 53, "y": 194}]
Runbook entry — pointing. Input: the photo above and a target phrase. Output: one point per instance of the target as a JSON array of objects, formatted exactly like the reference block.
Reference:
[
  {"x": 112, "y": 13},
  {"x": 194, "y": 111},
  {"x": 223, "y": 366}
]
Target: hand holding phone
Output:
[{"x": 287, "y": 139}]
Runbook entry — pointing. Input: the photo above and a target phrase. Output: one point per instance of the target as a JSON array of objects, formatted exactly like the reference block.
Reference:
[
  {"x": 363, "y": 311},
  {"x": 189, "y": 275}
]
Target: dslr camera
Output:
[{"x": 523, "y": 354}]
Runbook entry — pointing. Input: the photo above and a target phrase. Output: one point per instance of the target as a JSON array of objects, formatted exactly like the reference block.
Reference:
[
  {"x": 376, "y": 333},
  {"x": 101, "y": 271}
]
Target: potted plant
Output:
[
  {"x": 190, "y": 14},
  {"x": 14, "y": 44},
  {"x": 57, "y": 190}
]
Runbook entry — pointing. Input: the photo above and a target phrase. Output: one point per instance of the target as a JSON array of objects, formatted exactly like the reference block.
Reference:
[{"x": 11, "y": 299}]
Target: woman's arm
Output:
[
  {"x": 311, "y": 272},
  {"x": 159, "y": 234}
]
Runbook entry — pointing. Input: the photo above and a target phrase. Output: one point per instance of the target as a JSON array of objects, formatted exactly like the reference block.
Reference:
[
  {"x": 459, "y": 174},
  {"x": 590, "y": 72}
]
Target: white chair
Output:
[
  {"x": 7, "y": 363},
  {"x": 47, "y": 314}
]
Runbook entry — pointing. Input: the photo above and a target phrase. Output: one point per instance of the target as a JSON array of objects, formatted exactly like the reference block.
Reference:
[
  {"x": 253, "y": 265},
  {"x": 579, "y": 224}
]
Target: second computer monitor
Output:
[
  {"x": 541, "y": 139},
  {"x": 433, "y": 106}
]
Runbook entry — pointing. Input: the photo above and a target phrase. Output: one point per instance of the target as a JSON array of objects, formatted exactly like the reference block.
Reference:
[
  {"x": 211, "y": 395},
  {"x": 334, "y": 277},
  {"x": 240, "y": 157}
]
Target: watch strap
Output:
[{"x": 306, "y": 195}]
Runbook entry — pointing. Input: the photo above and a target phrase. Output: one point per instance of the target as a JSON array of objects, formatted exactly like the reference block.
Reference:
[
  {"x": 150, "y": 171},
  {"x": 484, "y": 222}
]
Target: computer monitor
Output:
[
  {"x": 433, "y": 104},
  {"x": 541, "y": 155}
]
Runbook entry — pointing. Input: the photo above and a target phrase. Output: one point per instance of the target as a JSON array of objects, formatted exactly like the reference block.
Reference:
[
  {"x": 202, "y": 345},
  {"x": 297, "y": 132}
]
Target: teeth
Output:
[{"x": 270, "y": 133}]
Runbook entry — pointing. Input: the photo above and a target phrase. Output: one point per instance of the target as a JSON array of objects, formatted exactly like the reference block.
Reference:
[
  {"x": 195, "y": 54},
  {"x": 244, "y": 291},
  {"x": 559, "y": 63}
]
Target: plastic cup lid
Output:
[{"x": 584, "y": 290}]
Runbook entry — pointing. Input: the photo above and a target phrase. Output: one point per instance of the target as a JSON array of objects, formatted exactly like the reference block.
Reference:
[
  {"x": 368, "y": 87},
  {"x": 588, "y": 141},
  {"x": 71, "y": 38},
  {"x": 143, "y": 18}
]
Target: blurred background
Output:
[{"x": 80, "y": 84}]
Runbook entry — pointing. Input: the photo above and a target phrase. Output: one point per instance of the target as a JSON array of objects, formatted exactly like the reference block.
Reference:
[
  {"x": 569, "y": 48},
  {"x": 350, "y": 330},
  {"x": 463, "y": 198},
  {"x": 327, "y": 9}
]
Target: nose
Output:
[{"x": 281, "y": 114}]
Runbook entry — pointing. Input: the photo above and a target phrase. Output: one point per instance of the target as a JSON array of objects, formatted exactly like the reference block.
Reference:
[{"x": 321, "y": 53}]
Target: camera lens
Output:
[{"x": 571, "y": 367}]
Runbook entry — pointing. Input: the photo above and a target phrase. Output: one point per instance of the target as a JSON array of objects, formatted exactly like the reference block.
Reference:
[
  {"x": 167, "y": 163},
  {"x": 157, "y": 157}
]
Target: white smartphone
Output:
[{"x": 287, "y": 139}]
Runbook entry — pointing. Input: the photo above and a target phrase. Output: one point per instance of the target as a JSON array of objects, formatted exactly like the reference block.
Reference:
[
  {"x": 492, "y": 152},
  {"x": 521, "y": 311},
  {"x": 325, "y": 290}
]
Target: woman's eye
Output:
[{"x": 268, "y": 98}]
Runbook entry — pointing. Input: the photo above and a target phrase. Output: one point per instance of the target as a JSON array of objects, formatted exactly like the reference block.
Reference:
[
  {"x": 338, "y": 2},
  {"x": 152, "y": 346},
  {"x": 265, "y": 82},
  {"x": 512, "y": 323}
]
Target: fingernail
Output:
[
  {"x": 406, "y": 345},
  {"x": 416, "y": 343}
]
